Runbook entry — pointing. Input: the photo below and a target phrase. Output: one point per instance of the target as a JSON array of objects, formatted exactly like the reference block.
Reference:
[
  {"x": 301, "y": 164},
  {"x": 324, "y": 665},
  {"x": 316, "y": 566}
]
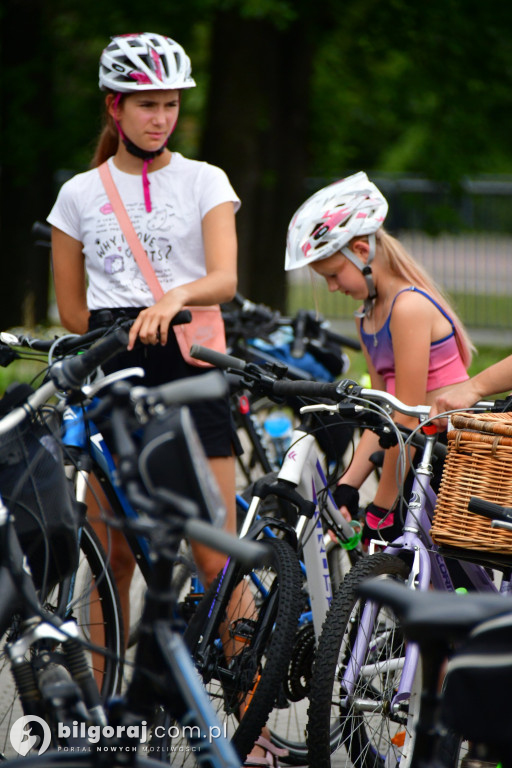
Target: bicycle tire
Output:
[
  {"x": 92, "y": 564},
  {"x": 288, "y": 718},
  {"x": 257, "y": 670},
  {"x": 108, "y": 598},
  {"x": 287, "y": 721},
  {"x": 369, "y": 737}
]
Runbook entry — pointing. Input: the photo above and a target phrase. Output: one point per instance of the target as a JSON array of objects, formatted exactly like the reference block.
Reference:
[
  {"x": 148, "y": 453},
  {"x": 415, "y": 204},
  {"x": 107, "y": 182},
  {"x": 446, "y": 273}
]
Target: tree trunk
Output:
[
  {"x": 255, "y": 129},
  {"x": 26, "y": 177}
]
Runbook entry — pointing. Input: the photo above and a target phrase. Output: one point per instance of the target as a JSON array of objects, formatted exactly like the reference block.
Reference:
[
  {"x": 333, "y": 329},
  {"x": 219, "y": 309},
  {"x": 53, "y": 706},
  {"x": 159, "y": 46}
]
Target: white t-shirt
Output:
[{"x": 181, "y": 194}]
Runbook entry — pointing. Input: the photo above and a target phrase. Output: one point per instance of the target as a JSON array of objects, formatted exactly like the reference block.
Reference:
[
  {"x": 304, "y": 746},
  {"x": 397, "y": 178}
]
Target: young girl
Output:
[
  {"x": 413, "y": 342},
  {"x": 184, "y": 214}
]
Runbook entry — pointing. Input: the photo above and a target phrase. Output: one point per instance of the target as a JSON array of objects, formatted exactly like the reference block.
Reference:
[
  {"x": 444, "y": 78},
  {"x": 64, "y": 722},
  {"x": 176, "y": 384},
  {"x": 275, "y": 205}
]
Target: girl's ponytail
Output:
[{"x": 107, "y": 142}]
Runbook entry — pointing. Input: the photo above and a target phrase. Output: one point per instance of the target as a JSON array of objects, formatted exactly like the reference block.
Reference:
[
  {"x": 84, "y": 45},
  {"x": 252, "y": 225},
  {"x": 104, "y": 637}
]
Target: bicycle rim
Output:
[
  {"x": 264, "y": 610},
  {"x": 92, "y": 570},
  {"x": 363, "y": 723}
]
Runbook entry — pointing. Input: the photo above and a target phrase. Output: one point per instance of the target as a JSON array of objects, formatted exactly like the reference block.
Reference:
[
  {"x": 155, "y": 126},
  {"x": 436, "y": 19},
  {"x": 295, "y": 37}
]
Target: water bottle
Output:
[{"x": 279, "y": 427}]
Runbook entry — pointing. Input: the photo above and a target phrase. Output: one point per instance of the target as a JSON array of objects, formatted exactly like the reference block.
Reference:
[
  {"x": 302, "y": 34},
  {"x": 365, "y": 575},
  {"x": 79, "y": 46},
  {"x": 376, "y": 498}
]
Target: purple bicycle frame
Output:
[{"x": 428, "y": 567}]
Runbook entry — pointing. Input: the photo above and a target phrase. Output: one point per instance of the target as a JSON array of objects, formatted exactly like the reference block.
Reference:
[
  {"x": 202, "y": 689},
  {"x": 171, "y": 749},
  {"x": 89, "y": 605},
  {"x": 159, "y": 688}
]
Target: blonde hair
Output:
[
  {"x": 108, "y": 139},
  {"x": 402, "y": 264}
]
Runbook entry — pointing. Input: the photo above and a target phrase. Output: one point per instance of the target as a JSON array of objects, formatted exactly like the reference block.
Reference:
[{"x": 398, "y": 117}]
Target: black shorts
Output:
[{"x": 162, "y": 364}]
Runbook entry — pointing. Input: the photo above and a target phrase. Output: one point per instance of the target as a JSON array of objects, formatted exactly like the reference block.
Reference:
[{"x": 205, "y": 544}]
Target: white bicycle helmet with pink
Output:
[
  {"x": 142, "y": 62},
  {"x": 328, "y": 220}
]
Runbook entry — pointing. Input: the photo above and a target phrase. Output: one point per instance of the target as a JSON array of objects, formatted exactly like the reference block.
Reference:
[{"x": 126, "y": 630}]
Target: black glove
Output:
[{"x": 347, "y": 496}]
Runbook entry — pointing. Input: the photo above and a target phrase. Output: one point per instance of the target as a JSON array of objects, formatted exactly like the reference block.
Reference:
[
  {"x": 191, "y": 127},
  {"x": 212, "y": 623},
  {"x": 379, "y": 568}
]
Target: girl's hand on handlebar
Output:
[
  {"x": 461, "y": 396},
  {"x": 151, "y": 325}
]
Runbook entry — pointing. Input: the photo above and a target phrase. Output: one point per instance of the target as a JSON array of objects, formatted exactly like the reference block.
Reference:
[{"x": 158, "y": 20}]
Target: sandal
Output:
[{"x": 269, "y": 759}]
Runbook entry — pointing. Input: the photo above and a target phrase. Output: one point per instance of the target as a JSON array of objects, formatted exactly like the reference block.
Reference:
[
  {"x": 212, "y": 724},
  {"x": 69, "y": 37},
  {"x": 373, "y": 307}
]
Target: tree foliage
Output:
[{"x": 288, "y": 90}]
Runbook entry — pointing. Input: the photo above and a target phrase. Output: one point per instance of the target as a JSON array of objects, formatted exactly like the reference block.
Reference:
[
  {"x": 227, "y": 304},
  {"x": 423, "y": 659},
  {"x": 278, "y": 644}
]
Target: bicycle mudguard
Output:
[{"x": 273, "y": 522}]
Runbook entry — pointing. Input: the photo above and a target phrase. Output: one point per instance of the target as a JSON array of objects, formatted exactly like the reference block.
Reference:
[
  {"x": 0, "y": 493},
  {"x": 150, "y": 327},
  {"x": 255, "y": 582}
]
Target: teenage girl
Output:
[
  {"x": 183, "y": 212},
  {"x": 414, "y": 344}
]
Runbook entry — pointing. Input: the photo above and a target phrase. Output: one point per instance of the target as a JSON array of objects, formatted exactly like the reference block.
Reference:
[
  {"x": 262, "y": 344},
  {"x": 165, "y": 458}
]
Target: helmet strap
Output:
[
  {"x": 366, "y": 271},
  {"x": 142, "y": 154}
]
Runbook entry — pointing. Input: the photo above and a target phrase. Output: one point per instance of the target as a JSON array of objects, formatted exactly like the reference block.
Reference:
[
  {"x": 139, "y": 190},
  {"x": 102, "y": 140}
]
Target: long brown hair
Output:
[
  {"x": 401, "y": 263},
  {"x": 108, "y": 139}
]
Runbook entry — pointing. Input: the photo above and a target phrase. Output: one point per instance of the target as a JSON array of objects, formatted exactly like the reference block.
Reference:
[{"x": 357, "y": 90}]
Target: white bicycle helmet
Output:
[
  {"x": 142, "y": 62},
  {"x": 328, "y": 220}
]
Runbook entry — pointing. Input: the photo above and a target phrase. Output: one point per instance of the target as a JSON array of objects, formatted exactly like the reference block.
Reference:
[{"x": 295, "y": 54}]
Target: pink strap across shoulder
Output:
[{"x": 128, "y": 230}]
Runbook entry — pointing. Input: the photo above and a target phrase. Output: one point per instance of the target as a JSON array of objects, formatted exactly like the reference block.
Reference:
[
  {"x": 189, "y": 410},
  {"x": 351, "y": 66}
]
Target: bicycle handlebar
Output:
[
  {"x": 305, "y": 324},
  {"x": 190, "y": 390},
  {"x": 70, "y": 373},
  {"x": 218, "y": 359},
  {"x": 67, "y": 374},
  {"x": 43, "y": 230},
  {"x": 250, "y": 553},
  {"x": 72, "y": 342},
  {"x": 490, "y": 510}
]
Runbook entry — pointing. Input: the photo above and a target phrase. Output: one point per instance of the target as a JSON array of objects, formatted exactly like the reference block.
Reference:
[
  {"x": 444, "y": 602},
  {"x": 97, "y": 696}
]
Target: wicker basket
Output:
[{"x": 479, "y": 463}]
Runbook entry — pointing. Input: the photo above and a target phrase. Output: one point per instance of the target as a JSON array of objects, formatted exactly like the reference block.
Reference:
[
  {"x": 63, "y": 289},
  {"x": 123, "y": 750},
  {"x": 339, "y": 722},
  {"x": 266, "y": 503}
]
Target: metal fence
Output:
[{"x": 469, "y": 256}]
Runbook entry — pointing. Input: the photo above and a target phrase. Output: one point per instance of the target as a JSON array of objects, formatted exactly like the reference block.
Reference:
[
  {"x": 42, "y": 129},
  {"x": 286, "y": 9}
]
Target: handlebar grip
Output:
[
  {"x": 195, "y": 389},
  {"x": 490, "y": 509},
  {"x": 182, "y": 317},
  {"x": 218, "y": 359},
  {"x": 250, "y": 553},
  {"x": 69, "y": 374},
  {"x": 315, "y": 389}
]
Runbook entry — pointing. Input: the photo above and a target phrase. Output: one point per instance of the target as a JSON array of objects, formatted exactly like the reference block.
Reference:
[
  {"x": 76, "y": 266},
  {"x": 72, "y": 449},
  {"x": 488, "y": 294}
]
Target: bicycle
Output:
[
  {"x": 465, "y": 640},
  {"x": 44, "y": 642},
  {"x": 88, "y": 452},
  {"x": 309, "y": 349},
  {"x": 49, "y": 525},
  {"x": 163, "y": 674},
  {"x": 364, "y": 686},
  {"x": 300, "y": 493}
]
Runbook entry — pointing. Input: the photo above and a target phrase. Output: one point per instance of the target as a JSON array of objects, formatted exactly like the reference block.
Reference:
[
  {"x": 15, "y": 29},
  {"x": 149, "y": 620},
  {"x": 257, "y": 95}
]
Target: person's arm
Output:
[
  {"x": 218, "y": 285},
  {"x": 411, "y": 330},
  {"x": 491, "y": 381},
  {"x": 70, "y": 282},
  {"x": 360, "y": 467}
]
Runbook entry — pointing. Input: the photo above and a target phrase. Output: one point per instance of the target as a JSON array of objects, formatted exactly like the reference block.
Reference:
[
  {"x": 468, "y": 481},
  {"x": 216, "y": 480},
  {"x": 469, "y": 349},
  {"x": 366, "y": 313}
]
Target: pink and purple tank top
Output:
[{"x": 445, "y": 366}]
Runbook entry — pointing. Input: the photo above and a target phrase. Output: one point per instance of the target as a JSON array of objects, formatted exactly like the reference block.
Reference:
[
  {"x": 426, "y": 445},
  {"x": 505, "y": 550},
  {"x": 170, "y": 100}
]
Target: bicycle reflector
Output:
[{"x": 173, "y": 459}]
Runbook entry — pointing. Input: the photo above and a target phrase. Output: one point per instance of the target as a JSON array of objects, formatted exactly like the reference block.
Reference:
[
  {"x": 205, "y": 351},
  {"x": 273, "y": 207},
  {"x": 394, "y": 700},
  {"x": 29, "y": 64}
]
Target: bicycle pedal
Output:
[{"x": 242, "y": 630}]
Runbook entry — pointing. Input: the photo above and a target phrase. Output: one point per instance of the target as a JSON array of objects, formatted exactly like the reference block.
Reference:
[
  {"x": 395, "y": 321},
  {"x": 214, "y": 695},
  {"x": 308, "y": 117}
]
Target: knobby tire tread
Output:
[
  {"x": 277, "y": 653},
  {"x": 319, "y": 733}
]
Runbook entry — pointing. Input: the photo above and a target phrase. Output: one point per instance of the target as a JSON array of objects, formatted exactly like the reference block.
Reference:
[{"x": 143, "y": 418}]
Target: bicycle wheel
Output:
[
  {"x": 245, "y": 668},
  {"x": 92, "y": 592},
  {"x": 363, "y": 723},
  {"x": 287, "y": 721},
  {"x": 94, "y": 600}
]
